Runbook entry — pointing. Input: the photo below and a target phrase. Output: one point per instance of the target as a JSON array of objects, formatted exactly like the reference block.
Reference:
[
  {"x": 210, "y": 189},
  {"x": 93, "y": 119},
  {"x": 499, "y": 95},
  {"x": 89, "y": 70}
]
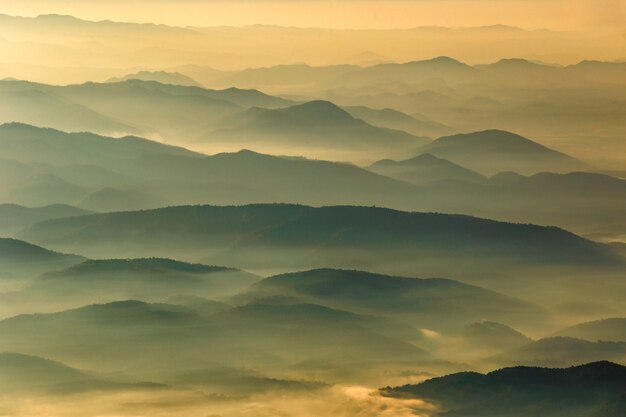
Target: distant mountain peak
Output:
[
  {"x": 319, "y": 105},
  {"x": 20, "y": 125},
  {"x": 519, "y": 62},
  {"x": 441, "y": 61},
  {"x": 494, "y": 150},
  {"x": 242, "y": 153},
  {"x": 58, "y": 17},
  {"x": 108, "y": 265},
  {"x": 164, "y": 77},
  {"x": 18, "y": 251},
  {"x": 446, "y": 59},
  {"x": 322, "y": 111}
]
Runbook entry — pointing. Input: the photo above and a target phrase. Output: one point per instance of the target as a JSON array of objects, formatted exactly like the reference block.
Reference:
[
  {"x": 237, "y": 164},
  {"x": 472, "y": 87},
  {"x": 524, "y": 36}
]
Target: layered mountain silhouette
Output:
[
  {"x": 21, "y": 373},
  {"x": 394, "y": 119},
  {"x": 14, "y": 217},
  {"x": 420, "y": 301},
  {"x": 563, "y": 351},
  {"x": 126, "y": 173},
  {"x": 423, "y": 169},
  {"x": 20, "y": 261},
  {"x": 277, "y": 335},
  {"x": 316, "y": 124},
  {"x": 19, "y": 252},
  {"x": 494, "y": 336},
  {"x": 386, "y": 246},
  {"x": 611, "y": 329},
  {"x": 301, "y": 236},
  {"x": 104, "y": 173},
  {"x": 443, "y": 68},
  {"x": 98, "y": 281},
  {"x": 134, "y": 106},
  {"x": 544, "y": 198},
  {"x": 163, "y": 77},
  {"x": 34, "y": 373},
  {"x": 582, "y": 391},
  {"x": 229, "y": 381},
  {"x": 45, "y": 108},
  {"x": 493, "y": 151},
  {"x": 30, "y": 144}
]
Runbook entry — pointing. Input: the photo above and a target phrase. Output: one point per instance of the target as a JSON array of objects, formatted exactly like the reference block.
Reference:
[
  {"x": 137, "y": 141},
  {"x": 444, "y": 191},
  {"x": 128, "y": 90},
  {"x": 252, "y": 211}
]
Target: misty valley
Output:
[{"x": 195, "y": 223}]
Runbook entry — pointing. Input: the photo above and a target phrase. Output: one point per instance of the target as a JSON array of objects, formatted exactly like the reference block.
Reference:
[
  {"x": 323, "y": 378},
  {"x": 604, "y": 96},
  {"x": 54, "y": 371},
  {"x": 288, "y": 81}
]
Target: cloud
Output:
[{"x": 338, "y": 401}]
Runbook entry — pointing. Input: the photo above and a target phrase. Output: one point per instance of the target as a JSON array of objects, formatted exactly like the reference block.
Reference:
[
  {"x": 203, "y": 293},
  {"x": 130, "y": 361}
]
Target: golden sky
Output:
[{"x": 529, "y": 14}]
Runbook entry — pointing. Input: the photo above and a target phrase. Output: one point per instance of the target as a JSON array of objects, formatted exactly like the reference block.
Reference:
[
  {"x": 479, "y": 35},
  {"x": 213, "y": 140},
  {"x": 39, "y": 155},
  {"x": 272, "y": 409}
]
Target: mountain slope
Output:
[
  {"x": 493, "y": 151},
  {"x": 104, "y": 173},
  {"x": 14, "y": 217},
  {"x": 584, "y": 202},
  {"x": 394, "y": 119},
  {"x": 256, "y": 335},
  {"x": 302, "y": 236},
  {"x": 45, "y": 166},
  {"x": 163, "y": 77},
  {"x": 581, "y": 391},
  {"x": 25, "y": 373},
  {"x": 562, "y": 351},
  {"x": 42, "y": 108},
  {"x": 98, "y": 281},
  {"x": 15, "y": 251},
  {"x": 424, "y": 301},
  {"x": 424, "y": 168},
  {"x": 495, "y": 336},
  {"x": 316, "y": 124},
  {"x": 612, "y": 329},
  {"x": 29, "y": 144},
  {"x": 439, "y": 68},
  {"x": 134, "y": 106}
]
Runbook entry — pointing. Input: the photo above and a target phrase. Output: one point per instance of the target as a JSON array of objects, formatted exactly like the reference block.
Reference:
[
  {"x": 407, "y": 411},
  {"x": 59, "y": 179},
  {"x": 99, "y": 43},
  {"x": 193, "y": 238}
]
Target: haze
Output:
[
  {"x": 383, "y": 14},
  {"x": 312, "y": 208}
]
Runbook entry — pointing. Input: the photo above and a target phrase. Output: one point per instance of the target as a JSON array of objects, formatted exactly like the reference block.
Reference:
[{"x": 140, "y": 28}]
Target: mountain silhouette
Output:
[
  {"x": 128, "y": 107},
  {"x": 418, "y": 300},
  {"x": 19, "y": 252},
  {"x": 611, "y": 329},
  {"x": 163, "y": 77},
  {"x": 14, "y": 217},
  {"x": 318, "y": 235},
  {"x": 23, "y": 102},
  {"x": 580, "y": 391},
  {"x": 423, "y": 169},
  {"x": 493, "y": 151},
  {"x": 312, "y": 124},
  {"x": 151, "y": 279},
  {"x": 496, "y": 336},
  {"x": 563, "y": 351},
  {"x": 103, "y": 173},
  {"x": 283, "y": 335},
  {"x": 394, "y": 119}
]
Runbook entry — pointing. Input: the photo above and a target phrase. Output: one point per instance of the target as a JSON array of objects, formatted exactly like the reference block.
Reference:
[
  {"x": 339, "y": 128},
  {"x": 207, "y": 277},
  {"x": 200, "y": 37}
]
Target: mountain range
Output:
[
  {"x": 163, "y": 77},
  {"x": 44, "y": 166},
  {"x": 101, "y": 281},
  {"x": 422, "y": 302},
  {"x": 424, "y": 169},
  {"x": 296, "y": 335},
  {"x": 494, "y": 151},
  {"x": 316, "y": 125},
  {"x": 183, "y": 114},
  {"x": 14, "y": 217},
  {"x": 610, "y": 329},
  {"x": 249, "y": 236}
]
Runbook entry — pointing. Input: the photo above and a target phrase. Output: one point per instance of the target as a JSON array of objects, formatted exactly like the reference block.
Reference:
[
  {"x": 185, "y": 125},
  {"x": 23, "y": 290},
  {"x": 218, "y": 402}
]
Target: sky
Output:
[{"x": 585, "y": 15}]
